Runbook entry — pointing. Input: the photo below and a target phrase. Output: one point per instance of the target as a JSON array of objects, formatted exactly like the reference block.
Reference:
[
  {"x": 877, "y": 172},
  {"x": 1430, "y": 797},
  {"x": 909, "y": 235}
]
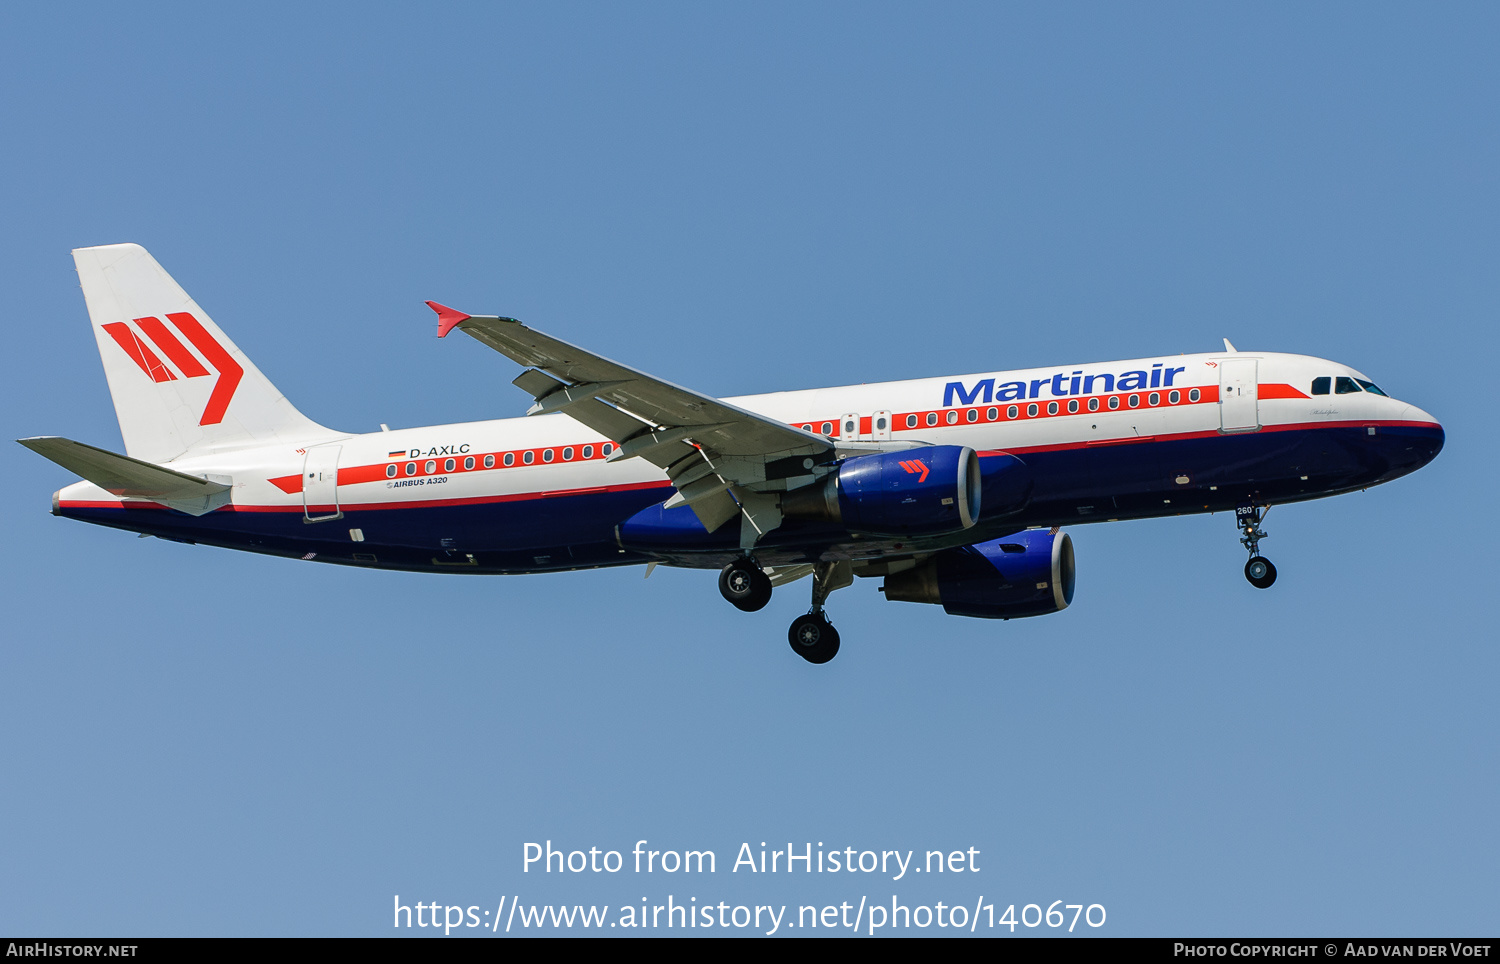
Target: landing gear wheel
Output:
[
  {"x": 1260, "y": 572},
  {"x": 813, "y": 638},
  {"x": 745, "y": 586}
]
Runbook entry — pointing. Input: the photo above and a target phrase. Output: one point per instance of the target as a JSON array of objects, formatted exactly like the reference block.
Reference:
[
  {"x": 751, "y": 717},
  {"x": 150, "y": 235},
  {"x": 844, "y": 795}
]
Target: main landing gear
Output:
[
  {"x": 745, "y": 586},
  {"x": 1258, "y": 570},
  {"x": 812, "y": 636}
]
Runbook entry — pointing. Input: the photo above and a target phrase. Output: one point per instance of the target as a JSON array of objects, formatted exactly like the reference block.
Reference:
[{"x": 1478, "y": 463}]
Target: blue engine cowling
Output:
[
  {"x": 1029, "y": 573},
  {"x": 928, "y": 490}
]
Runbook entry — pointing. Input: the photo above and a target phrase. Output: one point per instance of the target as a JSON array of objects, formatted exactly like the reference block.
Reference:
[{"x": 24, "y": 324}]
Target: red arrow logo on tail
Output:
[{"x": 161, "y": 336}]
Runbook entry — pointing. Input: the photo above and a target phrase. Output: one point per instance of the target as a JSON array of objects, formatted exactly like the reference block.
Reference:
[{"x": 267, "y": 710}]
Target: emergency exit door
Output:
[{"x": 866, "y": 428}]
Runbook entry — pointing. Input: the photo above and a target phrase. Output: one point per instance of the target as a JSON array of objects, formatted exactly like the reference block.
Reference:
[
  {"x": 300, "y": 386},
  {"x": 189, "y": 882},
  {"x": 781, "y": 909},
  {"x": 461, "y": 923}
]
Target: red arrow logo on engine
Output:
[{"x": 914, "y": 466}]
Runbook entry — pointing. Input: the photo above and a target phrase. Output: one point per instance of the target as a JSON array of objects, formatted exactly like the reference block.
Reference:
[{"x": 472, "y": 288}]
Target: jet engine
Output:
[
  {"x": 1028, "y": 573},
  {"x": 922, "y": 491}
]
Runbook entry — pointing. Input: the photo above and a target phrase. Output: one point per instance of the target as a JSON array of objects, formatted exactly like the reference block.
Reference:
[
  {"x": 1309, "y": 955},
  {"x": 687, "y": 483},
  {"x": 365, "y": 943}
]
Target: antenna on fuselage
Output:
[{"x": 1229, "y": 347}]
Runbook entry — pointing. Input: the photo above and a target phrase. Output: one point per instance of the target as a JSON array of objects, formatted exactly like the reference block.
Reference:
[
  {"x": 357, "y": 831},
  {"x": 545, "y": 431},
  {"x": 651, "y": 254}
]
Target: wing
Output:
[{"x": 723, "y": 460}]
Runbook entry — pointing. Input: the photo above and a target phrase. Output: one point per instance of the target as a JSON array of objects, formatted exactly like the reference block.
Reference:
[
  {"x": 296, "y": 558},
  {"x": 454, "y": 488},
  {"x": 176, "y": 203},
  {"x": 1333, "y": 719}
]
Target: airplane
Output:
[{"x": 954, "y": 490}]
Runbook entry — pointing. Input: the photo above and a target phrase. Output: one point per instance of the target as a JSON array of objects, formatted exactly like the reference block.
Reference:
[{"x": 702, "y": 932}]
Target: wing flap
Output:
[{"x": 715, "y": 510}]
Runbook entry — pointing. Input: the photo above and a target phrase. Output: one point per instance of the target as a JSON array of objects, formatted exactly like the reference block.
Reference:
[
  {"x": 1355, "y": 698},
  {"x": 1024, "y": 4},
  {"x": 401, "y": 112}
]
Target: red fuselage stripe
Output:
[
  {"x": 555, "y": 454},
  {"x": 638, "y": 486}
]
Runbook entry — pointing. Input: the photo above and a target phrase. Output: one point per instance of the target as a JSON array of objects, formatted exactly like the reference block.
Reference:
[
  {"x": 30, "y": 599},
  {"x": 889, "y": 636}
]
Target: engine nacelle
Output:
[
  {"x": 926, "y": 491},
  {"x": 1026, "y": 574}
]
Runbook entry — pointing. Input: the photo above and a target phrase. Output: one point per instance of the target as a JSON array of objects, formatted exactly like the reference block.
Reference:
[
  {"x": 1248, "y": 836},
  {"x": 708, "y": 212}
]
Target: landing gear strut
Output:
[
  {"x": 1258, "y": 570},
  {"x": 812, "y": 636},
  {"x": 745, "y": 586}
]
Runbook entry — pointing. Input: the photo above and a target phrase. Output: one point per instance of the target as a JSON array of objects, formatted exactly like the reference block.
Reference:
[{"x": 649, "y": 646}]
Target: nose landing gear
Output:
[{"x": 1258, "y": 570}]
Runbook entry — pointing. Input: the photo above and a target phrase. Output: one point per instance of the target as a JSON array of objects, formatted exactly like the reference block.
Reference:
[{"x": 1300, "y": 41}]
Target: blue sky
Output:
[{"x": 742, "y": 200}]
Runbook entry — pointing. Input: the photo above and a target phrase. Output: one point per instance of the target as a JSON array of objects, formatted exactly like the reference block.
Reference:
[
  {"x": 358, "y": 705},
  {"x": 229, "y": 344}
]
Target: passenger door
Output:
[
  {"x": 320, "y": 484},
  {"x": 1238, "y": 395}
]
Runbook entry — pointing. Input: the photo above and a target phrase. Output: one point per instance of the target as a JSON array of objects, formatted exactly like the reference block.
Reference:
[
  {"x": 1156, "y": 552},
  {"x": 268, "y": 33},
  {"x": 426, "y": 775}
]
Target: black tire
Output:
[
  {"x": 1260, "y": 572},
  {"x": 813, "y": 638},
  {"x": 745, "y": 586}
]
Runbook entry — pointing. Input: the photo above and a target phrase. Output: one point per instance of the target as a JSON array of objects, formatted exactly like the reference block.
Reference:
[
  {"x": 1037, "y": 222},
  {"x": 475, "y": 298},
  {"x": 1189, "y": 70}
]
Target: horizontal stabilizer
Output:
[{"x": 131, "y": 478}]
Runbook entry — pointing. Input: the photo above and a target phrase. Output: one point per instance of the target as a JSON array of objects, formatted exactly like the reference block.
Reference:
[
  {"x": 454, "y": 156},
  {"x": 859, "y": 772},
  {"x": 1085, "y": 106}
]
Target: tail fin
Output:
[{"x": 180, "y": 386}]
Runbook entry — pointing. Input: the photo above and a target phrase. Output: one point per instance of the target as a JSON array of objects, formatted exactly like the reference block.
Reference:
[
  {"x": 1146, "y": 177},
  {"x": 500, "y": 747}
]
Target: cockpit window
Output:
[
  {"x": 1320, "y": 385},
  {"x": 1369, "y": 386},
  {"x": 1344, "y": 385}
]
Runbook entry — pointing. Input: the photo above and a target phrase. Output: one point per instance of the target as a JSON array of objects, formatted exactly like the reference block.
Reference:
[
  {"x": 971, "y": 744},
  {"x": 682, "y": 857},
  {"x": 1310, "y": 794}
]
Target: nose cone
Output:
[
  {"x": 1422, "y": 434},
  {"x": 1412, "y": 413}
]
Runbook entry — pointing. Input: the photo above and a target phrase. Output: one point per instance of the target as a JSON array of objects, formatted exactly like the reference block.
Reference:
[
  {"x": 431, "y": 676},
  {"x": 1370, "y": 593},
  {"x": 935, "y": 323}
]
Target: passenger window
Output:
[
  {"x": 1320, "y": 385},
  {"x": 1344, "y": 385}
]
